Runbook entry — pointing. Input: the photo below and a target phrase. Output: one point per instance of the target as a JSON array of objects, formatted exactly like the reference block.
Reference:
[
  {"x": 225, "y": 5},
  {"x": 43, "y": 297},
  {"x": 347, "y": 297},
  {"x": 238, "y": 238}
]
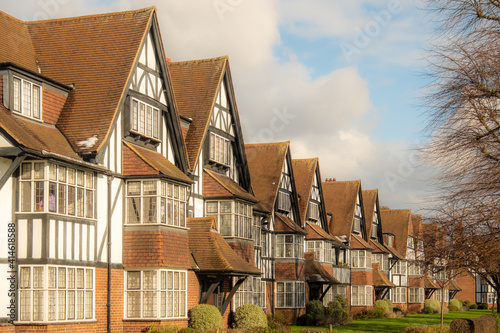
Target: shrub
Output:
[
  {"x": 467, "y": 303},
  {"x": 455, "y": 304},
  {"x": 397, "y": 309},
  {"x": 336, "y": 312},
  {"x": 371, "y": 314},
  {"x": 432, "y": 303},
  {"x": 473, "y": 306},
  {"x": 306, "y": 320},
  {"x": 428, "y": 310},
  {"x": 482, "y": 306},
  {"x": 342, "y": 301},
  {"x": 162, "y": 329},
  {"x": 205, "y": 316},
  {"x": 389, "y": 304},
  {"x": 187, "y": 330},
  {"x": 249, "y": 316},
  {"x": 316, "y": 309},
  {"x": 277, "y": 318},
  {"x": 381, "y": 304}
]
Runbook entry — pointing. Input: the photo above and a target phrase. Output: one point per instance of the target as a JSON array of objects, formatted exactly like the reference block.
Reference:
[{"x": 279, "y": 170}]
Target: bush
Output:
[
  {"x": 342, "y": 301},
  {"x": 316, "y": 309},
  {"x": 397, "y": 309},
  {"x": 467, "y": 303},
  {"x": 205, "y": 316},
  {"x": 389, "y": 304},
  {"x": 306, "y": 320},
  {"x": 381, "y": 304},
  {"x": 482, "y": 306},
  {"x": 473, "y": 306},
  {"x": 428, "y": 310},
  {"x": 336, "y": 312},
  {"x": 276, "y": 317},
  {"x": 249, "y": 316},
  {"x": 432, "y": 303},
  {"x": 187, "y": 330},
  {"x": 162, "y": 329},
  {"x": 454, "y": 305}
]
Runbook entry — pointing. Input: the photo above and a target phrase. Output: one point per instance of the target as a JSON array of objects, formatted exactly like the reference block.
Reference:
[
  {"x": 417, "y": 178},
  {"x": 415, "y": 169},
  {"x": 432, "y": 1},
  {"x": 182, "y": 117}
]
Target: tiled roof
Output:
[
  {"x": 369, "y": 201},
  {"x": 212, "y": 253},
  {"x": 315, "y": 273},
  {"x": 377, "y": 247},
  {"x": 394, "y": 252},
  {"x": 35, "y": 135},
  {"x": 398, "y": 223},
  {"x": 304, "y": 172},
  {"x": 265, "y": 163},
  {"x": 428, "y": 283},
  {"x": 340, "y": 201},
  {"x": 379, "y": 279},
  {"x": 195, "y": 85},
  {"x": 314, "y": 231},
  {"x": 284, "y": 224},
  {"x": 96, "y": 53},
  {"x": 416, "y": 220},
  {"x": 156, "y": 162},
  {"x": 358, "y": 242},
  {"x": 453, "y": 286},
  {"x": 216, "y": 185}
]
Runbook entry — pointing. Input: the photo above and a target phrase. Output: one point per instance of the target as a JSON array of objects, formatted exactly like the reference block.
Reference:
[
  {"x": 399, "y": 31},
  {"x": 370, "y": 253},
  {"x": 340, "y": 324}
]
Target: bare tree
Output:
[{"x": 464, "y": 125}]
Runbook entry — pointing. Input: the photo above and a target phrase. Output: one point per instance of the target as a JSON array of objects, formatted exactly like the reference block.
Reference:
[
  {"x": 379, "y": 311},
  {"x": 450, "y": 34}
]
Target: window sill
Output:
[
  {"x": 153, "y": 319},
  {"x": 55, "y": 216},
  {"x": 55, "y": 322}
]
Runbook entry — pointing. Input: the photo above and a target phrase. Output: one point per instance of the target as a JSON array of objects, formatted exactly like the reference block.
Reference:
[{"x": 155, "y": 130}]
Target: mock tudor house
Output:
[
  {"x": 344, "y": 201},
  {"x": 283, "y": 234},
  {"x": 324, "y": 276}
]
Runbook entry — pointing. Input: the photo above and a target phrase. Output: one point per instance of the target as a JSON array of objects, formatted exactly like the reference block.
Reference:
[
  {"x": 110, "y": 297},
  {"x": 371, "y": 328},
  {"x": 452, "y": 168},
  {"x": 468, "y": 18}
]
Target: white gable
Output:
[
  {"x": 4, "y": 142},
  {"x": 221, "y": 117}
]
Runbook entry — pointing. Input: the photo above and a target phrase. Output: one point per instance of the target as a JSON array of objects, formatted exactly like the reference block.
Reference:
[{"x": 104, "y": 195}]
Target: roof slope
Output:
[
  {"x": 369, "y": 201},
  {"x": 212, "y": 253},
  {"x": 315, "y": 272},
  {"x": 304, "y": 172},
  {"x": 265, "y": 163},
  {"x": 195, "y": 85},
  {"x": 398, "y": 223},
  {"x": 96, "y": 53},
  {"x": 340, "y": 201},
  {"x": 216, "y": 185}
]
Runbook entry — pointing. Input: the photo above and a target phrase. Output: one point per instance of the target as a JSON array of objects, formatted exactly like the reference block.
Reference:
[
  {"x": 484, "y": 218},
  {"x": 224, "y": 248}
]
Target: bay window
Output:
[
  {"x": 234, "y": 218},
  {"x": 56, "y": 293},
  {"x": 399, "y": 268},
  {"x": 414, "y": 269},
  {"x": 155, "y": 294},
  {"x": 252, "y": 291},
  {"x": 313, "y": 211},
  {"x": 156, "y": 201},
  {"x": 145, "y": 119},
  {"x": 47, "y": 187},
  {"x": 399, "y": 295},
  {"x": 333, "y": 292},
  {"x": 284, "y": 202},
  {"x": 289, "y": 246},
  {"x": 322, "y": 249},
  {"x": 27, "y": 98},
  {"x": 416, "y": 295},
  {"x": 290, "y": 294},
  {"x": 361, "y": 295},
  {"x": 382, "y": 259},
  {"x": 220, "y": 149},
  {"x": 361, "y": 259}
]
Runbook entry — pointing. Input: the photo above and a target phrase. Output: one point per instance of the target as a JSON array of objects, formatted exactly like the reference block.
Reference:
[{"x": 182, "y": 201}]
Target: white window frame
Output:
[
  {"x": 399, "y": 295},
  {"x": 313, "y": 211},
  {"x": 414, "y": 268},
  {"x": 234, "y": 218},
  {"x": 322, "y": 249},
  {"x": 360, "y": 259},
  {"x": 290, "y": 294},
  {"x": 167, "y": 203},
  {"x": 361, "y": 295},
  {"x": 334, "y": 291},
  {"x": 284, "y": 202},
  {"x": 252, "y": 291},
  {"x": 145, "y": 119},
  {"x": 67, "y": 191},
  {"x": 56, "y": 287},
  {"x": 289, "y": 246},
  {"x": 381, "y": 258},
  {"x": 167, "y": 285},
  {"x": 399, "y": 268},
  {"x": 416, "y": 295},
  {"x": 220, "y": 149},
  {"x": 19, "y": 104}
]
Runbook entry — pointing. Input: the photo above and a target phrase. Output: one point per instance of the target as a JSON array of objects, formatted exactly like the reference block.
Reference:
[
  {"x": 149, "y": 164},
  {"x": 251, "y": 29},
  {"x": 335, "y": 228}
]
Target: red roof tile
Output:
[
  {"x": 265, "y": 163},
  {"x": 428, "y": 283},
  {"x": 314, "y": 231},
  {"x": 304, "y": 172},
  {"x": 340, "y": 201},
  {"x": 212, "y": 253},
  {"x": 284, "y": 224},
  {"x": 95, "y": 53},
  {"x": 377, "y": 247},
  {"x": 158, "y": 164},
  {"x": 195, "y": 85},
  {"x": 216, "y": 185},
  {"x": 369, "y": 201},
  {"x": 316, "y": 273},
  {"x": 398, "y": 222},
  {"x": 379, "y": 279},
  {"x": 359, "y": 243}
]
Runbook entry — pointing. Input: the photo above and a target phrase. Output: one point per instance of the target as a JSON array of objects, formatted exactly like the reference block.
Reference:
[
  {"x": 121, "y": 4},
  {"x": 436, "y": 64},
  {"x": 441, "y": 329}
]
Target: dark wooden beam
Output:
[
  {"x": 324, "y": 292},
  {"x": 215, "y": 283},
  {"x": 15, "y": 164},
  {"x": 231, "y": 294},
  {"x": 10, "y": 151}
]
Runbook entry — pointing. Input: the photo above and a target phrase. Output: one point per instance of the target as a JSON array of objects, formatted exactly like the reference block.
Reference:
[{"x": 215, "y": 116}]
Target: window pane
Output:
[
  {"x": 71, "y": 176},
  {"x": 135, "y": 110},
  {"x": 26, "y": 171},
  {"x": 52, "y": 171},
  {"x": 61, "y": 277},
  {"x": 133, "y": 280},
  {"x": 88, "y": 305},
  {"x": 52, "y": 197},
  {"x": 39, "y": 170},
  {"x": 212, "y": 207},
  {"x": 62, "y": 199},
  {"x": 17, "y": 94},
  {"x": 52, "y": 295},
  {"x": 142, "y": 114},
  {"x": 71, "y": 200},
  {"x": 71, "y": 278},
  {"x": 62, "y": 304},
  {"x": 52, "y": 277},
  {"x": 89, "y": 179},
  {"x": 89, "y": 203},
  {"x": 170, "y": 212},
  {"x": 225, "y": 225},
  {"x": 89, "y": 279},
  {"x": 80, "y": 301},
  {"x": 80, "y": 273},
  {"x": 38, "y": 196},
  {"x": 176, "y": 212},
  {"x": 182, "y": 214},
  {"x": 27, "y": 99},
  {"x": 149, "y": 187},
  {"x": 79, "y": 178},
  {"x": 26, "y": 196},
  {"x": 149, "y": 120},
  {"x": 38, "y": 305},
  {"x": 79, "y": 202},
  {"x": 71, "y": 304}
]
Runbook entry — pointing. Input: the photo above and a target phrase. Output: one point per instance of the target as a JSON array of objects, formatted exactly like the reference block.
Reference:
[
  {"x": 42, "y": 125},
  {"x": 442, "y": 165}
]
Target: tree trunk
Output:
[
  {"x": 498, "y": 299},
  {"x": 442, "y": 308}
]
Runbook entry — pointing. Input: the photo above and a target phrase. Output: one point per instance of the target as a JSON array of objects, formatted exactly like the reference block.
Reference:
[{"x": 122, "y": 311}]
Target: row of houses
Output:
[{"x": 129, "y": 196}]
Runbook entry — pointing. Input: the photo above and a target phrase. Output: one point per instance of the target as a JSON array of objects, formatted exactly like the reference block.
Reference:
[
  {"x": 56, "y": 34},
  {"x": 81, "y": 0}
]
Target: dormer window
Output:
[
  {"x": 220, "y": 150},
  {"x": 27, "y": 99},
  {"x": 313, "y": 211},
  {"x": 284, "y": 203},
  {"x": 145, "y": 119},
  {"x": 358, "y": 215}
]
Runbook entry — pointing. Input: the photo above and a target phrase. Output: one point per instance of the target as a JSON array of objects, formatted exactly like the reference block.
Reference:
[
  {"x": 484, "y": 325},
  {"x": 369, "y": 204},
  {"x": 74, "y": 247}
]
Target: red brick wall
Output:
[
  {"x": 291, "y": 315},
  {"x": 155, "y": 249},
  {"x": 467, "y": 283},
  {"x": 53, "y": 104},
  {"x": 142, "y": 326},
  {"x": 101, "y": 276},
  {"x": 269, "y": 297},
  {"x": 290, "y": 271},
  {"x": 359, "y": 278},
  {"x": 416, "y": 282},
  {"x": 246, "y": 251},
  {"x": 193, "y": 290},
  {"x": 6, "y": 328}
]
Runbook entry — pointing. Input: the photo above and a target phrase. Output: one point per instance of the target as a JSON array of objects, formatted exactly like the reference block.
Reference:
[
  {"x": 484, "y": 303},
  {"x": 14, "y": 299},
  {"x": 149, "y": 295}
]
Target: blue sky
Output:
[{"x": 339, "y": 79}]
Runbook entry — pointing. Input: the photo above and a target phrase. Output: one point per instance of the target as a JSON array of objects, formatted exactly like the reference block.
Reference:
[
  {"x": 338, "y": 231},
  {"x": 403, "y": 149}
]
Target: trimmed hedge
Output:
[
  {"x": 249, "y": 316},
  {"x": 316, "y": 309},
  {"x": 455, "y": 303},
  {"x": 381, "y": 304},
  {"x": 486, "y": 323},
  {"x": 433, "y": 304},
  {"x": 205, "y": 316}
]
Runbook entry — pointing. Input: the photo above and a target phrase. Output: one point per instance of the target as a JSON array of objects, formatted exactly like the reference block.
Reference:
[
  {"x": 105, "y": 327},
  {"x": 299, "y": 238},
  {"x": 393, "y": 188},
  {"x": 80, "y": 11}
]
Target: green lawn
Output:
[{"x": 390, "y": 325}]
